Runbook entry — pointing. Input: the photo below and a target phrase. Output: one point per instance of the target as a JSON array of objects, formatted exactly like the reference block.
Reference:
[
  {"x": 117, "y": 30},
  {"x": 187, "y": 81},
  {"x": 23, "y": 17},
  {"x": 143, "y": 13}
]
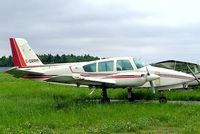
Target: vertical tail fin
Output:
[{"x": 23, "y": 55}]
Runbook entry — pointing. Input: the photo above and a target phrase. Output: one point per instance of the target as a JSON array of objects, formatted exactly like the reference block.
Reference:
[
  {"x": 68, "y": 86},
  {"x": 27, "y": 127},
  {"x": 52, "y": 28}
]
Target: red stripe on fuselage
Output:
[
  {"x": 124, "y": 76},
  {"x": 176, "y": 76},
  {"x": 97, "y": 74},
  {"x": 17, "y": 56}
]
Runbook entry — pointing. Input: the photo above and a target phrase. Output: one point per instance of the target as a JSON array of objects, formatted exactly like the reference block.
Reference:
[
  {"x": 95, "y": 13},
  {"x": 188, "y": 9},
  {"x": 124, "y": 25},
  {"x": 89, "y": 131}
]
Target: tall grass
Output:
[{"x": 33, "y": 107}]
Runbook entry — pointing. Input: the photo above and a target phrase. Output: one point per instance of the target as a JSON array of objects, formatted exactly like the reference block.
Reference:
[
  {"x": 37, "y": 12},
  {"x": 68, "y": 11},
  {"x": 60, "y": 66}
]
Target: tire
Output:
[
  {"x": 104, "y": 100},
  {"x": 163, "y": 100},
  {"x": 132, "y": 98}
]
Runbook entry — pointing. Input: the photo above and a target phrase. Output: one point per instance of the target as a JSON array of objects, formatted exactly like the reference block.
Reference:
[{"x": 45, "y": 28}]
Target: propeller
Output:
[{"x": 151, "y": 81}]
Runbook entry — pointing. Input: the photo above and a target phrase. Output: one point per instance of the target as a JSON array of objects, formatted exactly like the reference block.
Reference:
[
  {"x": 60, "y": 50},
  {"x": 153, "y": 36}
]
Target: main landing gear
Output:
[
  {"x": 131, "y": 95},
  {"x": 104, "y": 96},
  {"x": 162, "y": 98}
]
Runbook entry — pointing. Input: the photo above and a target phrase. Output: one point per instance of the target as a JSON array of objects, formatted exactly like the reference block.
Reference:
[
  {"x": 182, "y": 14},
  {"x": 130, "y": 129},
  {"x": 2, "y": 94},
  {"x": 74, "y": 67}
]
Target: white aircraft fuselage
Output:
[{"x": 123, "y": 78}]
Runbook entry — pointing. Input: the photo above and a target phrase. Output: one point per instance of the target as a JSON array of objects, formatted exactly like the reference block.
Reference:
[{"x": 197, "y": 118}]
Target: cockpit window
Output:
[
  {"x": 123, "y": 65},
  {"x": 90, "y": 67},
  {"x": 138, "y": 63},
  {"x": 105, "y": 66}
]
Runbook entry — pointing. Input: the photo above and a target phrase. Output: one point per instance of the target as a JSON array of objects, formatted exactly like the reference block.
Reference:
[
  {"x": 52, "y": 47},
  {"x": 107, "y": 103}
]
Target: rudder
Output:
[{"x": 23, "y": 55}]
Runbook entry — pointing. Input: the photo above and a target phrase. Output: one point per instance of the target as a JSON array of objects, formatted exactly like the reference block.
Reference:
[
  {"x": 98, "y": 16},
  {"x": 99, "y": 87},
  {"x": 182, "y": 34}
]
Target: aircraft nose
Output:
[{"x": 152, "y": 77}]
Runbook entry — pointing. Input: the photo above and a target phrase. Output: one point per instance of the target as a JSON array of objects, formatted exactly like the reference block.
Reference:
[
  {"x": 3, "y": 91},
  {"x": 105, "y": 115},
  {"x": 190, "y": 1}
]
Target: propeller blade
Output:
[
  {"x": 152, "y": 86},
  {"x": 147, "y": 71}
]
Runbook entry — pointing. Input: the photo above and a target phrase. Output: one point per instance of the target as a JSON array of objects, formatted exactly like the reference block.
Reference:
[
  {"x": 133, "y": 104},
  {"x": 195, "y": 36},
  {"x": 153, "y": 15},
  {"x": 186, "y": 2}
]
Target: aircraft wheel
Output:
[
  {"x": 131, "y": 98},
  {"x": 104, "y": 96},
  {"x": 131, "y": 95},
  {"x": 105, "y": 100},
  {"x": 163, "y": 99}
]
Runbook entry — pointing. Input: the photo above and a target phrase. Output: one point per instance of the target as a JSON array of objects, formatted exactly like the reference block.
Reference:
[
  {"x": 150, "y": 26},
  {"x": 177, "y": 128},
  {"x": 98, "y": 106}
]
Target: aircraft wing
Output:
[
  {"x": 18, "y": 72},
  {"x": 78, "y": 79}
]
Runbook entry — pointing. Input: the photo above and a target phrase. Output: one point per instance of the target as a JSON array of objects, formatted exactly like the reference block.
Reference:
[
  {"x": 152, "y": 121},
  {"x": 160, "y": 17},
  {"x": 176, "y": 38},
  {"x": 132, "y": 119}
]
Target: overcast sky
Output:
[{"x": 153, "y": 30}]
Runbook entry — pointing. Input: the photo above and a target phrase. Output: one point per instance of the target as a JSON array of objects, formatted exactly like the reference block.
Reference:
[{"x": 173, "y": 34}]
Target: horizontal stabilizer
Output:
[{"x": 17, "y": 72}]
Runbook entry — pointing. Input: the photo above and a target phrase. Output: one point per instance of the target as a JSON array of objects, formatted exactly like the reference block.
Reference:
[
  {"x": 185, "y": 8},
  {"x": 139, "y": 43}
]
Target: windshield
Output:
[
  {"x": 123, "y": 65},
  {"x": 138, "y": 63}
]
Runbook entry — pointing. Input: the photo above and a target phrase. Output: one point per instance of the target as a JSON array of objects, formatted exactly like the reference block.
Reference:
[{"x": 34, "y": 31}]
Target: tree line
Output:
[{"x": 7, "y": 61}]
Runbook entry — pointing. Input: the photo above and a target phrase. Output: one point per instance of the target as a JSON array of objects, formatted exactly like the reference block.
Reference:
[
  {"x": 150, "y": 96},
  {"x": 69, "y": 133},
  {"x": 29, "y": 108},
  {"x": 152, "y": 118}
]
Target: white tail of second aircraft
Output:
[{"x": 23, "y": 55}]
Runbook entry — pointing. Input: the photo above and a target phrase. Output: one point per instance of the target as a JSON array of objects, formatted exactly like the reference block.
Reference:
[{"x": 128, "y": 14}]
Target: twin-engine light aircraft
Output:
[{"x": 120, "y": 72}]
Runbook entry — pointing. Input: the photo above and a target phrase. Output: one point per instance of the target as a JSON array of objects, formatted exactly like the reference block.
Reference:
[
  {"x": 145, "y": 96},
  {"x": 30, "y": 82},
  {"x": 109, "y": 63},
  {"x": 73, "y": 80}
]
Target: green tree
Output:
[{"x": 49, "y": 59}]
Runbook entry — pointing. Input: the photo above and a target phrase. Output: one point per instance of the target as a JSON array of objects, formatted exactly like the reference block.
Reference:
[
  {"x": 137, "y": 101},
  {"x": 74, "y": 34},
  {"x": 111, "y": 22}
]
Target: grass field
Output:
[{"x": 39, "y": 108}]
